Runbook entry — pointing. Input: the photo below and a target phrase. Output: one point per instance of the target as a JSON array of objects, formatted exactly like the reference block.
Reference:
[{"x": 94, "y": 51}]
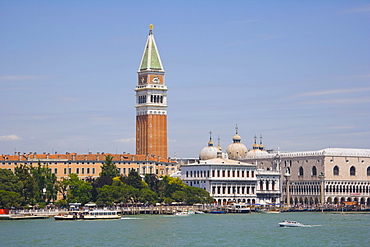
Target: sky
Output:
[{"x": 295, "y": 72}]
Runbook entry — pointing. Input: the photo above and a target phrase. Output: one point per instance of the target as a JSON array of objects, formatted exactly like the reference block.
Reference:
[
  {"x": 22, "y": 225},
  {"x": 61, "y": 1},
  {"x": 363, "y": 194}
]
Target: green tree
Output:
[
  {"x": 116, "y": 193},
  {"x": 10, "y": 199},
  {"x": 152, "y": 181},
  {"x": 30, "y": 188},
  {"x": 62, "y": 186},
  {"x": 168, "y": 185},
  {"x": 197, "y": 195},
  {"x": 179, "y": 196},
  {"x": 46, "y": 183},
  {"x": 108, "y": 168},
  {"x": 148, "y": 196},
  {"x": 78, "y": 190},
  {"x": 10, "y": 182},
  {"x": 134, "y": 180}
]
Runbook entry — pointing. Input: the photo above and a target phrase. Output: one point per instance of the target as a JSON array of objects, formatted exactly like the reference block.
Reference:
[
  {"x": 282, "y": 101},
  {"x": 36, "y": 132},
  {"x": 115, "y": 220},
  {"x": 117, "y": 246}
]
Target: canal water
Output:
[{"x": 322, "y": 229}]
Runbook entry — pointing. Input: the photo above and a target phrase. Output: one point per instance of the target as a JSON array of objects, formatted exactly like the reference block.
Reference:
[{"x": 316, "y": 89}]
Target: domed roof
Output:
[
  {"x": 209, "y": 152},
  {"x": 254, "y": 152},
  {"x": 258, "y": 150},
  {"x": 236, "y": 150}
]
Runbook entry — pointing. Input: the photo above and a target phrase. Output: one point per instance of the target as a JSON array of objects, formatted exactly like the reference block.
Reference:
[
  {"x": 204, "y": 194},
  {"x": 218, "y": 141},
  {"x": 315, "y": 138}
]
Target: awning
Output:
[{"x": 350, "y": 203}]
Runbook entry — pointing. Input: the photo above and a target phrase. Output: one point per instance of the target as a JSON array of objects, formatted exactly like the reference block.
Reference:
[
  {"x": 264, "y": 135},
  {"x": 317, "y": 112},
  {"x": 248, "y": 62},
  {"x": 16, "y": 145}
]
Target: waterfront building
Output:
[
  {"x": 226, "y": 180},
  {"x": 89, "y": 165},
  {"x": 230, "y": 180},
  {"x": 330, "y": 176},
  {"x": 151, "y": 103}
]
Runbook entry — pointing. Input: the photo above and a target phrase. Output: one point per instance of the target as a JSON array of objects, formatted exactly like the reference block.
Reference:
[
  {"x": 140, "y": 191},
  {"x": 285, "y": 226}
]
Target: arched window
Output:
[
  {"x": 352, "y": 171},
  {"x": 314, "y": 171},
  {"x": 336, "y": 171},
  {"x": 300, "y": 172},
  {"x": 368, "y": 171}
]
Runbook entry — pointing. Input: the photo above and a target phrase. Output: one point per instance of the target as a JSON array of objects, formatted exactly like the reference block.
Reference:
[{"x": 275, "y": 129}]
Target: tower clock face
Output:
[{"x": 156, "y": 80}]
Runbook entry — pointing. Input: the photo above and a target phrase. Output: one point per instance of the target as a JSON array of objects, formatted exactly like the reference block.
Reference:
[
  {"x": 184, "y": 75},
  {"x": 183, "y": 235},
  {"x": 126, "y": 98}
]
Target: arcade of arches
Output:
[{"x": 308, "y": 193}]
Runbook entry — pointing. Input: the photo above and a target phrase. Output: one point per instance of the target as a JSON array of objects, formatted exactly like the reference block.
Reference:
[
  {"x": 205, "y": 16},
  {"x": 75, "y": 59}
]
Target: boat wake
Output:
[
  {"x": 311, "y": 225},
  {"x": 129, "y": 218}
]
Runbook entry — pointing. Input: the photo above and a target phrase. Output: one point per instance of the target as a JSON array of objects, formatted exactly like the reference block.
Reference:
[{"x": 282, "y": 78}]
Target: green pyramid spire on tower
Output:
[{"x": 151, "y": 59}]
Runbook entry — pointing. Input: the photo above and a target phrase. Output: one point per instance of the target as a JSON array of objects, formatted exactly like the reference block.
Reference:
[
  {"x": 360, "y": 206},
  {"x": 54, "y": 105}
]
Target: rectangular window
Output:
[
  {"x": 65, "y": 170},
  {"x": 83, "y": 170},
  {"x": 124, "y": 170},
  {"x": 88, "y": 170},
  {"x": 69, "y": 170},
  {"x": 93, "y": 170},
  {"x": 56, "y": 170},
  {"x": 77, "y": 170}
]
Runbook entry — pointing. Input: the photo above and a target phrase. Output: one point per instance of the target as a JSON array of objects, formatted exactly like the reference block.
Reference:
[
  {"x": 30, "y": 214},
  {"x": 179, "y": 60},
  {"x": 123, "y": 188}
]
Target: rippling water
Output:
[{"x": 195, "y": 230}]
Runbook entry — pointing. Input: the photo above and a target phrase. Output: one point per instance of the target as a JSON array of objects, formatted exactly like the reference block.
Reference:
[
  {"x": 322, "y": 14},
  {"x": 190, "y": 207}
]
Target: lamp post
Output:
[
  {"x": 322, "y": 195},
  {"x": 287, "y": 193}
]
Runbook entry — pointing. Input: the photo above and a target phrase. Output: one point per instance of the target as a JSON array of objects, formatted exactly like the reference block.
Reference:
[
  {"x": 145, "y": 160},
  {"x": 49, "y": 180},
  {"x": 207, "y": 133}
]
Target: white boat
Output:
[
  {"x": 183, "y": 213},
  {"x": 290, "y": 223},
  {"x": 241, "y": 208},
  {"x": 199, "y": 212},
  {"x": 89, "y": 215}
]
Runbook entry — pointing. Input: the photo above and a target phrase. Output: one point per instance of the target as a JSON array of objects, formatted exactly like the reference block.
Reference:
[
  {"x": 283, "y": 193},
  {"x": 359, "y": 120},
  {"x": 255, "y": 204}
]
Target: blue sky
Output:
[{"x": 297, "y": 72}]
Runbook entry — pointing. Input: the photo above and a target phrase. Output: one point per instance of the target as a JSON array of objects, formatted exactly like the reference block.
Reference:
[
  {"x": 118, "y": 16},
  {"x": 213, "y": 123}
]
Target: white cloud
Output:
[
  {"x": 335, "y": 91},
  {"x": 9, "y": 138},
  {"x": 129, "y": 140},
  {"x": 340, "y": 101}
]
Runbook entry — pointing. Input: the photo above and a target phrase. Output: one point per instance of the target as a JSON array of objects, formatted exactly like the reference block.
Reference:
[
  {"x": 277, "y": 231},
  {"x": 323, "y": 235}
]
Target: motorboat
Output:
[
  {"x": 182, "y": 213},
  {"x": 243, "y": 209},
  {"x": 290, "y": 223},
  {"x": 89, "y": 215},
  {"x": 199, "y": 212}
]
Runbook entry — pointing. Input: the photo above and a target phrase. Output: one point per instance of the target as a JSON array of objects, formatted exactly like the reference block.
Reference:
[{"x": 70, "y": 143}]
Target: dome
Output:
[
  {"x": 258, "y": 150},
  {"x": 209, "y": 152},
  {"x": 254, "y": 152},
  {"x": 236, "y": 150}
]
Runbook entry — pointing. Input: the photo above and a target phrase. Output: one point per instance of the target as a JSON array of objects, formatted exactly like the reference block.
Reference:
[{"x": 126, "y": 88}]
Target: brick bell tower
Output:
[{"x": 151, "y": 103}]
